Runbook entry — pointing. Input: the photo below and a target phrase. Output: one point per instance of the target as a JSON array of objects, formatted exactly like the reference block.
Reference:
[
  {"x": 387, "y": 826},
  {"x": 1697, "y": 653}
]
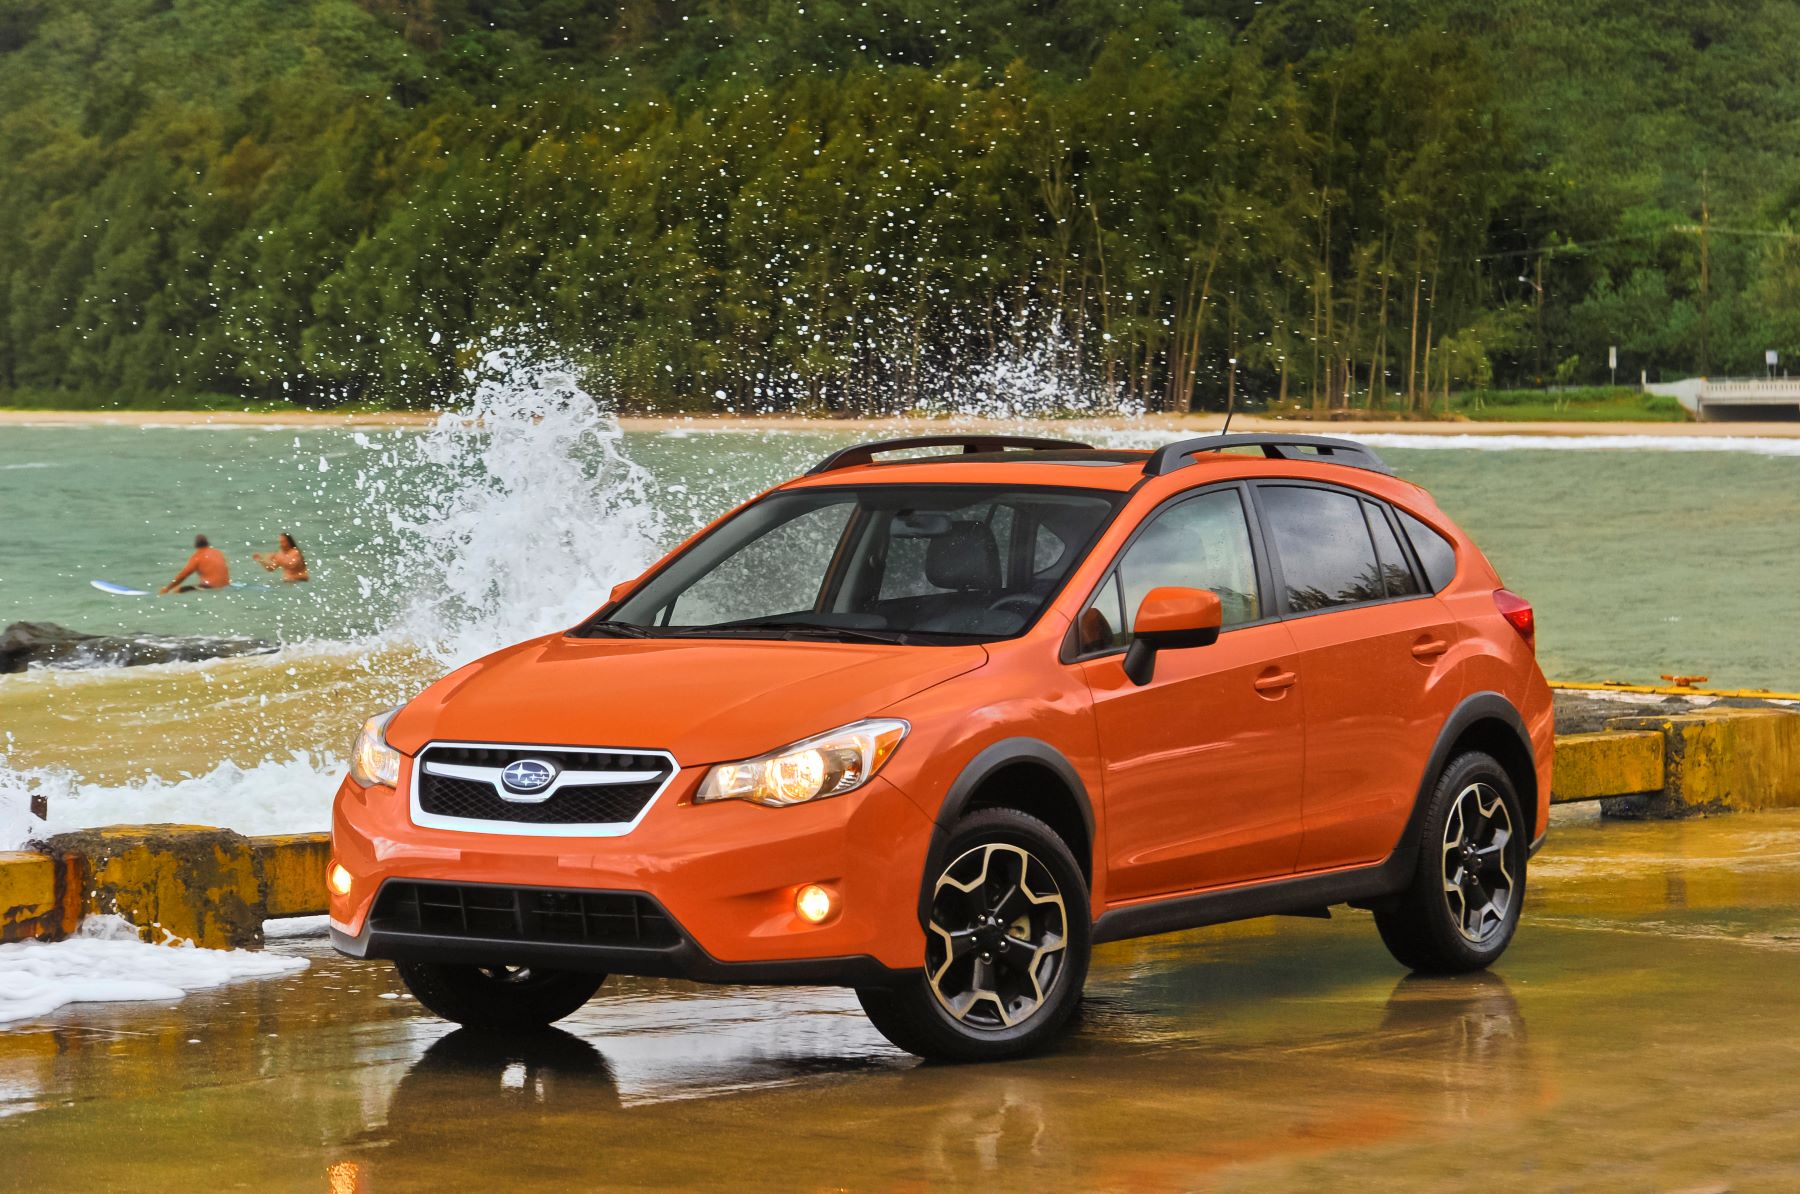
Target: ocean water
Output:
[{"x": 516, "y": 515}]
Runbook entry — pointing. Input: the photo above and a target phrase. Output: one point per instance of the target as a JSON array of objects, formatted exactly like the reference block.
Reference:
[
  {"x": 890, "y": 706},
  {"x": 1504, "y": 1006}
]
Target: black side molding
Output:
[{"x": 1304, "y": 896}]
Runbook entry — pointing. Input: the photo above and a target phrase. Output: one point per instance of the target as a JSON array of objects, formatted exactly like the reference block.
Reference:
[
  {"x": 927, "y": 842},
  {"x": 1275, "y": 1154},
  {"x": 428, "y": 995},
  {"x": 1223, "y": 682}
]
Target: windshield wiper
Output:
[
  {"x": 618, "y": 630},
  {"x": 749, "y": 627}
]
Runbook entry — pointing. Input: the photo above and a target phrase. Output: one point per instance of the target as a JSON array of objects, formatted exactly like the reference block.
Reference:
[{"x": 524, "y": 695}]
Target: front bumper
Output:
[
  {"x": 724, "y": 875},
  {"x": 669, "y": 952}
]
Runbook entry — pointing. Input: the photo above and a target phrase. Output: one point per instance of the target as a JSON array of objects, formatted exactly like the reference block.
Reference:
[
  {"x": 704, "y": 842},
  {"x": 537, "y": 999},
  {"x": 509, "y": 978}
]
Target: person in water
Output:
[
  {"x": 207, "y": 563},
  {"x": 285, "y": 557}
]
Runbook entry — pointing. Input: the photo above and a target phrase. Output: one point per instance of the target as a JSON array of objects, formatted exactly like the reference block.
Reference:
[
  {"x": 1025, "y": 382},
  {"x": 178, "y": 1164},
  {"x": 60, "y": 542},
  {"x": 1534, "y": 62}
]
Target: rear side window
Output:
[
  {"x": 1436, "y": 555},
  {"x": 1396, "y": 572},
  {"x": 1322, "y": 540}
]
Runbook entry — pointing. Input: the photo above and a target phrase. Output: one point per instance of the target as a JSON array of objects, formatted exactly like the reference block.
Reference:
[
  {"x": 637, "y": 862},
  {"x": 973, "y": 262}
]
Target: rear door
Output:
[
  {"x": 1372, "y": 640},
  {"x": 1203, "y": 763}
]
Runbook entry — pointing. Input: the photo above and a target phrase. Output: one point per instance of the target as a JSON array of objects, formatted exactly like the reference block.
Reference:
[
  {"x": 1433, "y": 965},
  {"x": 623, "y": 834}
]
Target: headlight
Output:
[
  {"x": 829, "y": 765},
  {"x": 373, "y": 761}
]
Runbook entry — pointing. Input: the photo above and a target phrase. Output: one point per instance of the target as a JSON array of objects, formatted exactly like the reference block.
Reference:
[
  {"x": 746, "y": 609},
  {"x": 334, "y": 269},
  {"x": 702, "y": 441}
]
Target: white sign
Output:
[
  {"x": 1612, "y": 357},
  {"x": 1771, "y": 358}
]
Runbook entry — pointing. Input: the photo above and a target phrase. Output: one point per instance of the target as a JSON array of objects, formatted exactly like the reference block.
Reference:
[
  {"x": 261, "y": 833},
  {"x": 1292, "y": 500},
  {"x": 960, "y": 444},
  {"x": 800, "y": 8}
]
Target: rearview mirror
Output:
[{"x": 1170, "y": 618}]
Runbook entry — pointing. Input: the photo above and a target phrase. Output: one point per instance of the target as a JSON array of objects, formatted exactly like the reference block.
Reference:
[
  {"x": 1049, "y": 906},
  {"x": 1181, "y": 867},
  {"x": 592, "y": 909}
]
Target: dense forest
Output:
[{"x": 850, "y": 204}]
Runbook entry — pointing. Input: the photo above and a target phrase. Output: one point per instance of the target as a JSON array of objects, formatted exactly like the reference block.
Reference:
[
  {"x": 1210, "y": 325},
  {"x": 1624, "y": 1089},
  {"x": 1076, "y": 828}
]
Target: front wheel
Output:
[
  {"x": 498, "y": 998},
  {"x": 1463, "y": 905},
  {"x": 1006, "y": 946}
]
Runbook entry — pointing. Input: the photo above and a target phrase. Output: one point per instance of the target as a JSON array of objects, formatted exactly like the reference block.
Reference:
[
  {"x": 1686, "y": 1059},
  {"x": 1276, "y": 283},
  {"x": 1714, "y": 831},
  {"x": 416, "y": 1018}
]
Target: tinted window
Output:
[
  {"x": 1396, "y": 570},
  {"x": 1201, "y": 543},
  {"x": 1322, "y": 541},
  {"x": 1435, "y": 553}
]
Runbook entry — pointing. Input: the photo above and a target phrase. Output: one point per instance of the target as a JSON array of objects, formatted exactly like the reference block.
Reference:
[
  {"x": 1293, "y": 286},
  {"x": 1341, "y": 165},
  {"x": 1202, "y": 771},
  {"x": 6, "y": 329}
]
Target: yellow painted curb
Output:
[
  {"x": 189, "y": 882},
  {"x": 1722, "y": 760},
  {"x": 292, "y": 869},
  {"x": 28, "y": 903},
  {"x": 1611, "y": 763}
]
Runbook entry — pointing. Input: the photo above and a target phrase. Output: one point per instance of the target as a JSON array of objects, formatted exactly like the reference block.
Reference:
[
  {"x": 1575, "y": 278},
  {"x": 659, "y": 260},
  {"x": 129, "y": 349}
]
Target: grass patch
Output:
[{"x": 1598, "y": 404}]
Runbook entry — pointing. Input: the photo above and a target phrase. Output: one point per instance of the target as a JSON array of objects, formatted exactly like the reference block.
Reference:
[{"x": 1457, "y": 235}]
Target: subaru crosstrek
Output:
[{"x": 933, "y": 727}]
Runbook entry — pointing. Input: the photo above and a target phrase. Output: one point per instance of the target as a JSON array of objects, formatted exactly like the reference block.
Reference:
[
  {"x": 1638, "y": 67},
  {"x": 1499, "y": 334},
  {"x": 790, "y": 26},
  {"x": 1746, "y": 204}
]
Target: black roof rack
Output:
[
  {"x": 865, "y": 453},
  {"x": 1349, "y": 453}
]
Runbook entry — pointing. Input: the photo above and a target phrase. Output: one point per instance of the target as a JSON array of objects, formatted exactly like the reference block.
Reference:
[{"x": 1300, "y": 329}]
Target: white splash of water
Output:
[
  {"x": 107, "y": 963},
  {"x": 291, "y": 795},
  {"x": 521, "y": 512},
  {"x": 1033, "y": 376},
  {"x": 17, "y": 787}
]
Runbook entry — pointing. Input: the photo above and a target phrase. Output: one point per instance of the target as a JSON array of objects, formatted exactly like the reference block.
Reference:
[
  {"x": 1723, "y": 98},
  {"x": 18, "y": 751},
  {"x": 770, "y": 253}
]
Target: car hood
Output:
[{"x": 703, "y": 700}]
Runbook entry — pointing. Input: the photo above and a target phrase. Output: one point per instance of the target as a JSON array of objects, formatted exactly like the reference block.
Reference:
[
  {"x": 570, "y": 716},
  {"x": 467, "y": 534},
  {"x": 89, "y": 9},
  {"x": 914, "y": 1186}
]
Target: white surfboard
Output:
[{"x": 107, "y": 586}]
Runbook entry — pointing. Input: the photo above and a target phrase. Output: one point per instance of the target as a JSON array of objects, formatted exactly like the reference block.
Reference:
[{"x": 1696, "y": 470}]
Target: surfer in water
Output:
[
  {"x": 285, "y": 557},
  {"x": 207, "y": 563}
]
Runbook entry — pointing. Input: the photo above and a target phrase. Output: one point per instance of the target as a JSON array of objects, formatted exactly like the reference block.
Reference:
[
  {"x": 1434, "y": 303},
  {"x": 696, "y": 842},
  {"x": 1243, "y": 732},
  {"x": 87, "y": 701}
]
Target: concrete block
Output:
[
  {"x": 292, "y": 868},
  {"x": 1721, "y": 760},
  {"x": 29, "y": 903},
  {"x": 190, "y": 881},
  {"x": 1612, "y": 763}
]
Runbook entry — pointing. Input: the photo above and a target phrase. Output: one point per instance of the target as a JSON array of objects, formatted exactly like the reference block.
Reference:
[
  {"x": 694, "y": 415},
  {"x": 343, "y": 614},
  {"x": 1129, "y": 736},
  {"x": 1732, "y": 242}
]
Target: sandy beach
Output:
[{"x": 1173, "y": 424}]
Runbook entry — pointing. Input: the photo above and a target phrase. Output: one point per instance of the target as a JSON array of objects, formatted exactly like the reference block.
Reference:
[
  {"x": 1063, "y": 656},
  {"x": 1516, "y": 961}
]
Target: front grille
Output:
[
  {"x": 575, "y": 804},
  {"x": 530, "y": 915}
]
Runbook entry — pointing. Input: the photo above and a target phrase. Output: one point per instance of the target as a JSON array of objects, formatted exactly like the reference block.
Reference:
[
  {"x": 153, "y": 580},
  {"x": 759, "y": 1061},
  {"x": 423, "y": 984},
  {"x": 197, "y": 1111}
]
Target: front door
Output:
[{"x": 1203, "y": 765}]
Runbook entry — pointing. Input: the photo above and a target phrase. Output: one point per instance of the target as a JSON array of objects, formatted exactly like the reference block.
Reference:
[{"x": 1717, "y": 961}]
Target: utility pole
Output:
[
  {"x": 1705, "y": 272},
  {"x": 1537, "y": 284},
  {"x": 1540, "y": 319}
]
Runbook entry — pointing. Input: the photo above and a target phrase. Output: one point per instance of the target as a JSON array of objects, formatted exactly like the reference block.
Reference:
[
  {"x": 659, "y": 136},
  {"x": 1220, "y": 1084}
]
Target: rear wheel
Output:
[
  {"x": 1006, "y": 946},
  {"x": 1462, "y": 908},
  {"x": 498, "y": 998}
]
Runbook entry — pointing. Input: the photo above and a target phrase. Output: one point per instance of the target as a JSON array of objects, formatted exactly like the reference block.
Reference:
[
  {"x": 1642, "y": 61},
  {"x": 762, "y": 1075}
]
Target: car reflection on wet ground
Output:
[{"x": 1643, "y": 1033}]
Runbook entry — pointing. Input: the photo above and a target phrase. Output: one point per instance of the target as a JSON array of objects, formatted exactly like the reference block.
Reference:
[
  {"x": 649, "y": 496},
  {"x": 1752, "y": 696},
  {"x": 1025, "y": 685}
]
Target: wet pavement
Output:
[{"x": 1642, "y": 1034}]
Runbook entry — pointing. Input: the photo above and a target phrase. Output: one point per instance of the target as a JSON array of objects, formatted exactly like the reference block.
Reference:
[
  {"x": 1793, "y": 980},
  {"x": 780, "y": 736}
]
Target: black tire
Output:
[
  {"x": 1462, "y": 907},
  {"x": 498, "y": 998},
  {"x": 1015, "y": 1013}
]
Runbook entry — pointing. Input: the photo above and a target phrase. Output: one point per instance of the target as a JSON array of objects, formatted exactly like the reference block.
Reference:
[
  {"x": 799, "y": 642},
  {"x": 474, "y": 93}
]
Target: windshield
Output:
[{"x": 894, "y": 563}]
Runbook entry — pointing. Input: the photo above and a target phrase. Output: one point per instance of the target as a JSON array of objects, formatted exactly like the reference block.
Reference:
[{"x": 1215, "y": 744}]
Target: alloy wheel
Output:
[
  {"x": 1478, "y": 879},
  {"x": 995, "y": 949}
]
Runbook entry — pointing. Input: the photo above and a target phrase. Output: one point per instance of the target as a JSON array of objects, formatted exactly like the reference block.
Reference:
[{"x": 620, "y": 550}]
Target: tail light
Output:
[{"x": 1517, "y": 611}]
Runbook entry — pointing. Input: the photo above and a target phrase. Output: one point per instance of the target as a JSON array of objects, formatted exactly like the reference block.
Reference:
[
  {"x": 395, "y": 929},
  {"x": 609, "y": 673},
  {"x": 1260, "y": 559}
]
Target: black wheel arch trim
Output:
[
  {"x": 1303, "y": 893},
  {"x": 987, "y": 763}
]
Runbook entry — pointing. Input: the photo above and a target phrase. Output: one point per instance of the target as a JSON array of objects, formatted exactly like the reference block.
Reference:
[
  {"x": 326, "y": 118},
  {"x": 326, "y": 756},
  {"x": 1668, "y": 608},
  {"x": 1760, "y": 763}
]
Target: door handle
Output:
[
  {"x": 1275, "y": 681},
  {"x": 1429, "y": 648}
]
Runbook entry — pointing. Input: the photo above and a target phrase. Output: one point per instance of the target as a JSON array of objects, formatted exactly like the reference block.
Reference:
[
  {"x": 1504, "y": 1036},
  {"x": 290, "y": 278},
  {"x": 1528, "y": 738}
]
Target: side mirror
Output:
[
  {"x": 619, "y": 590},
  {"x": 1170, "y": 618}
]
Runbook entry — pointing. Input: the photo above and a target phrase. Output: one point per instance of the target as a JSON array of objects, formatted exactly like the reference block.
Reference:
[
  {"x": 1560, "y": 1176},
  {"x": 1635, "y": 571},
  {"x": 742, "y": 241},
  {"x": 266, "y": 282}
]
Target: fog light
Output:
[
  {"x": 814, "y": 903},
  {"x": 339, "y": 880}
]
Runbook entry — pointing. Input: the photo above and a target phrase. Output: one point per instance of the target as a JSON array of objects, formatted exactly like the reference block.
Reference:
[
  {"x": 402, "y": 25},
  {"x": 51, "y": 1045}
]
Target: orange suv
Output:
[{"x": 934, "y": 726}]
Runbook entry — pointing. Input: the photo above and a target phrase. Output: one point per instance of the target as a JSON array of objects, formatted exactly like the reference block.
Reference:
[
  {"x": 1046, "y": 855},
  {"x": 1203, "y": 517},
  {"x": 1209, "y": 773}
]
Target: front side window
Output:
[
  {"x": 1200, "y": 543},
  {"x": 1321, "y": 539},
  {"x": 897, "y": 563}
]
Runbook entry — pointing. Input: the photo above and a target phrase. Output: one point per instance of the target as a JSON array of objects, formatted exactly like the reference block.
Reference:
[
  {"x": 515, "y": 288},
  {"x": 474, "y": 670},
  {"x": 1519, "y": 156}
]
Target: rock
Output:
[{"x": 45, "y": 644}]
